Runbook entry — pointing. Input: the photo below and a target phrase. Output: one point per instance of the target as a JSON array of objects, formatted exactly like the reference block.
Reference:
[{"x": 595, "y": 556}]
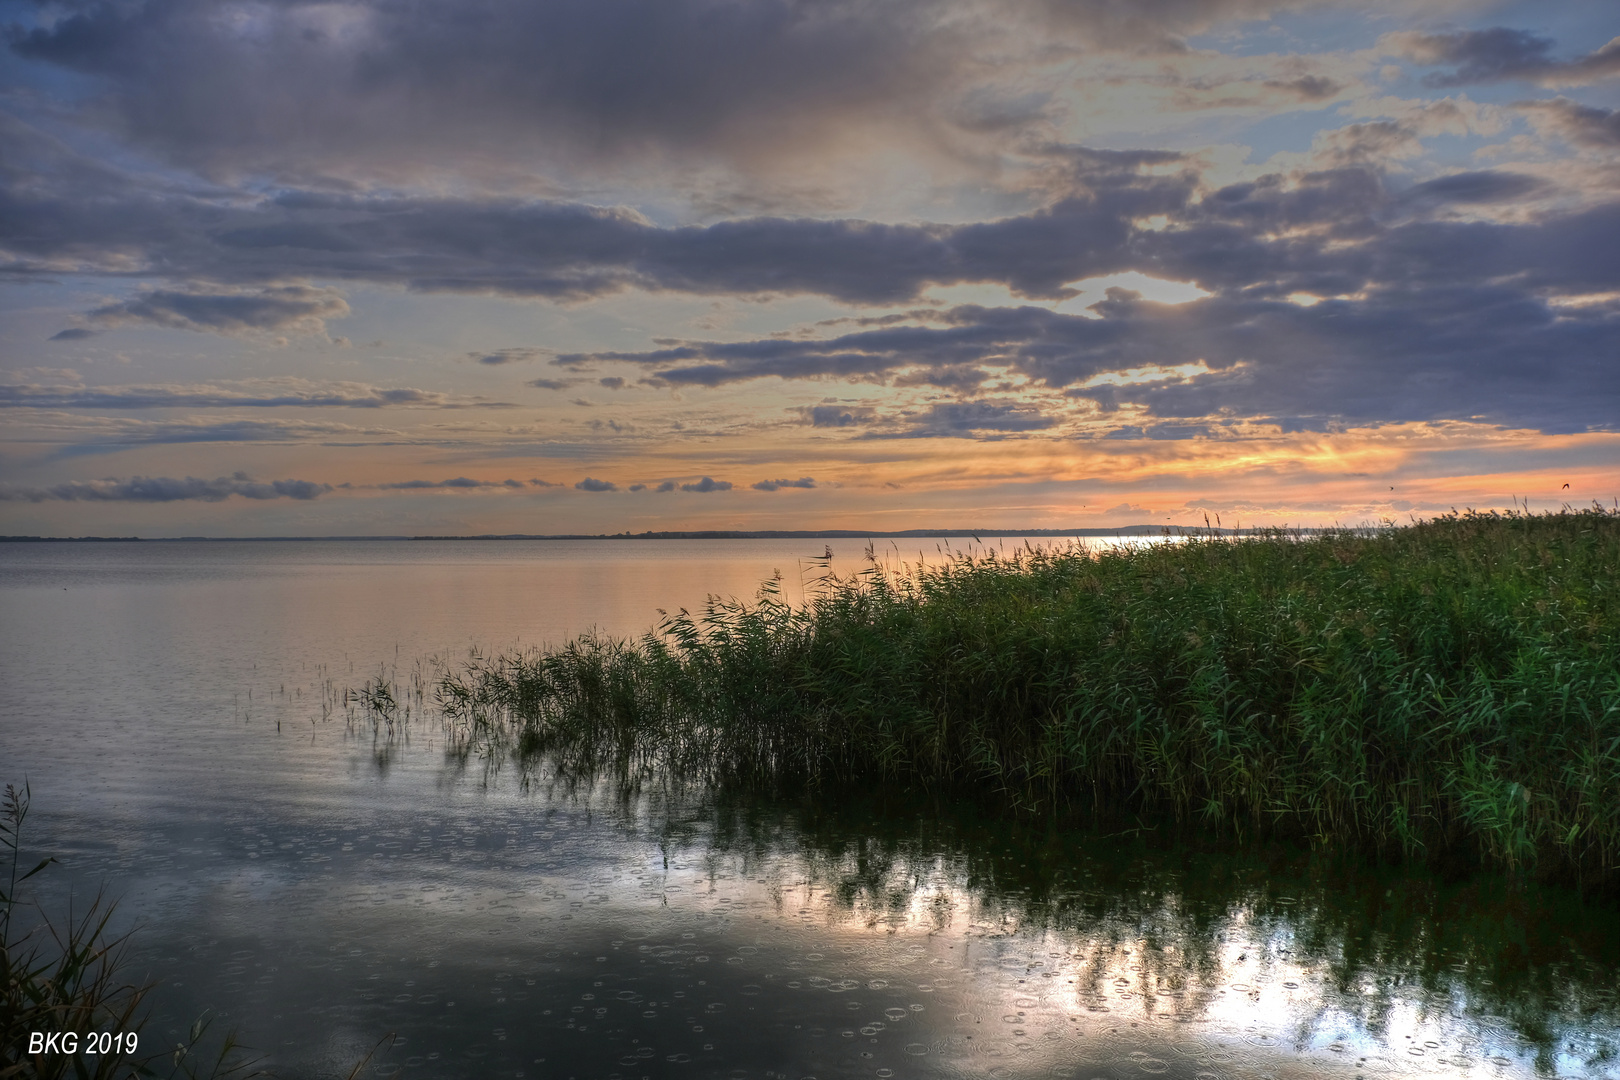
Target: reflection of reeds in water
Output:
[
  {"x": 1448, "y": 690},
  {"x": 1159, "y": 930},
  {"x": 68, "y": 977}
]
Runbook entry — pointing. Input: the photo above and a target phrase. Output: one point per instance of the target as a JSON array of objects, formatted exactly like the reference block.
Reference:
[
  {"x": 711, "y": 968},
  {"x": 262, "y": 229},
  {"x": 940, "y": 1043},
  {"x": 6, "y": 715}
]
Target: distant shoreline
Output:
[{"x": 706, "y": 534}]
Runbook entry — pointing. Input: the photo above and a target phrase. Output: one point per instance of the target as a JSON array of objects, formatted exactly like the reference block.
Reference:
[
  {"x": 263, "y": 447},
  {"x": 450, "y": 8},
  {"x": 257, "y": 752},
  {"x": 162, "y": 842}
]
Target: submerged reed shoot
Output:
[{"x": 1447, "y": 688}]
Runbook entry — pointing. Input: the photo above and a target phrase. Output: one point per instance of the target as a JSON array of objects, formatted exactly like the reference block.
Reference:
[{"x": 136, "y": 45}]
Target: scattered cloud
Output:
[
  {"x": 836, "y": 416},
  {"x": 1451, "y": 340},
  {"x": 162, "y": 489},
  {"x": 1580, "y": 125},
  {"x": 459, "y": 483},
  {"x": 544, "y": 248},
  {"x": 1500, "y": 53},
  {"x": 260, "y": 395},
  {"x": 706, "y": 485},
  {"x": 507, "y": 356},
  {"x": 777, "y": 485},
  {"x": 125, "y": 432},
  {"x": 1307, "y": 87},
  {"x": 980, "y": 419},
  {"x": 1478, "y": 187},
  {"x": 778, "y": 98},
  {"x": 592, "y": 484},
  {"x": 220, "y": 310}
]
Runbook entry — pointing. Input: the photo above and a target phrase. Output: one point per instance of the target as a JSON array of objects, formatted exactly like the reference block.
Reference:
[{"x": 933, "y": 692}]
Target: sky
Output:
[{"x": 277, "y": 267}]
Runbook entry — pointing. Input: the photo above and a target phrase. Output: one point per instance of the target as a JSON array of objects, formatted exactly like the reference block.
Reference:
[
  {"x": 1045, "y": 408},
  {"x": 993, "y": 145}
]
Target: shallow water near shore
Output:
[{"x": 317, "y": 881}]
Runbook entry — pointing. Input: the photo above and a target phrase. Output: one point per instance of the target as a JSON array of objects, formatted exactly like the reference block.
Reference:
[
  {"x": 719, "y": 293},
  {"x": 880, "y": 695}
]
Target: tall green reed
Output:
[{"x": 1449, "y": 689}]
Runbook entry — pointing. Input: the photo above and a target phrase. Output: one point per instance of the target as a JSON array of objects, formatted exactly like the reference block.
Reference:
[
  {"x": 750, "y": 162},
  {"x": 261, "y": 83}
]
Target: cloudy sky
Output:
[{"x": 405, "y": 266}]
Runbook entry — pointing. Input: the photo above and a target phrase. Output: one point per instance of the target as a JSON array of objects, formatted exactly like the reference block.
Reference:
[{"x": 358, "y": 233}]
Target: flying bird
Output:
[{"x": 1566, "y": 485}]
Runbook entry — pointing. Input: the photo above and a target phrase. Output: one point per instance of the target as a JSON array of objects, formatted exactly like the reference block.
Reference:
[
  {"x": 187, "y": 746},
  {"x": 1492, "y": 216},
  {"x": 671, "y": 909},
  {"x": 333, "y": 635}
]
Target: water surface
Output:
[{"x": 317, "y": 881}]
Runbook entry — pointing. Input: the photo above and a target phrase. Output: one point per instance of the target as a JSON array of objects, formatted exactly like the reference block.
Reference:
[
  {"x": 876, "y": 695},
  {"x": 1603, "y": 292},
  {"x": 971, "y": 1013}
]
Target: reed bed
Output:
[{"x": 1448, "y": 689}]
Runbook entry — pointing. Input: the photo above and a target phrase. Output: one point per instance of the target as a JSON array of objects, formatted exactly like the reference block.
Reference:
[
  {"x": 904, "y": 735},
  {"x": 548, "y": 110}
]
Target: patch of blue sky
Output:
[
  {"x": 1286, "y": 132},
  {"x": 1306, "y": 32},
  {"x": 1283, "y": 132}
]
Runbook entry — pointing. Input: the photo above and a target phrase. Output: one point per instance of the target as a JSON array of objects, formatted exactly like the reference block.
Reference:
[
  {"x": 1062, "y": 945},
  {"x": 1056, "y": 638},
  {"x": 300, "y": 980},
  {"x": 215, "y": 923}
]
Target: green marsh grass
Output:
[{"x": 1445, "y": 690}]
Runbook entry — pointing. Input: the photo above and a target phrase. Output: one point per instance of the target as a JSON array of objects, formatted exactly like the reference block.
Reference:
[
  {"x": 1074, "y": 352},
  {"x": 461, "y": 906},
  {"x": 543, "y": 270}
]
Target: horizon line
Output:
[{"x": 718, "y": 534}]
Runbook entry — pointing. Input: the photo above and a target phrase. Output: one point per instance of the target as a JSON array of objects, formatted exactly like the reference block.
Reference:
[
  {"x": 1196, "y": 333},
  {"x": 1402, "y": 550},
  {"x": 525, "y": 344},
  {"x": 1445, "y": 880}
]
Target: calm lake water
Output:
[{"x": 315, "y": 883}]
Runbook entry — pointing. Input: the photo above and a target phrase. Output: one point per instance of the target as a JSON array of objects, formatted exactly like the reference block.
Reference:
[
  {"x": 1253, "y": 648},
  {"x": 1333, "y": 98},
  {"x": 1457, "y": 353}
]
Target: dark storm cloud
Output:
[
  {"x": 26, "y": 395},
  {"x": 57, "y": 212},
  {"x": 1428, "y": 347},
  {"x": 1501, "y": 53},
  {"x": 277, "y": 308},
  {"x": 167, "y": 489},
  {"x": 988, "y": 335},
  {"x": 382, "y": 88},
  {"x": 591, "y": 79},
  {"x": 1236, "y": 241},
  {"x": 1324, "y": 226},
  {"x": 778, "y": 485},
  {"x": 1433, "y": 352},
  {"x": 1451, "y": 319},
  {"x": 1455, "y": 313}
]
